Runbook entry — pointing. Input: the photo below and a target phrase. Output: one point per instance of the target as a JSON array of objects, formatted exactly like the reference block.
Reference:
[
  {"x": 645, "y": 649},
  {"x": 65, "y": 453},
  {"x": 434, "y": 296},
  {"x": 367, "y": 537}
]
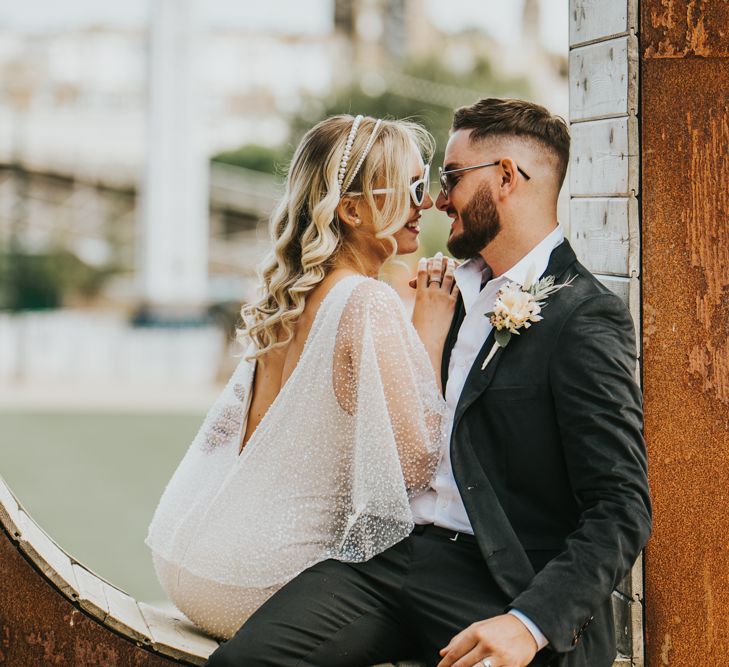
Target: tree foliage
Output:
[
  {"x": 390, "y": 101},
  {"x": 39, "y": 281},
  {"x": 398, "y": 101},
  {"x": 424, "y": 91}
]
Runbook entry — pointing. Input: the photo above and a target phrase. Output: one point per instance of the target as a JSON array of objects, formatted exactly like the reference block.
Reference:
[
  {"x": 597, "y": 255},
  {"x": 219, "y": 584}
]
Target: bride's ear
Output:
[{"x": 347, "y": 212}]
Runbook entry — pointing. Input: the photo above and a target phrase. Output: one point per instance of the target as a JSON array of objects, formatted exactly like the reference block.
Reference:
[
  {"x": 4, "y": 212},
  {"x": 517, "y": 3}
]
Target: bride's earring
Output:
[{"x": 357, "y": 222}]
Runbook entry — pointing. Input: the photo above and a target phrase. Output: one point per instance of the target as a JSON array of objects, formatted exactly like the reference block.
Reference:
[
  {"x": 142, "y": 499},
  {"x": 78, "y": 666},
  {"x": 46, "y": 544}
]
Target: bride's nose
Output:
[{"x": 427, "y": 202}]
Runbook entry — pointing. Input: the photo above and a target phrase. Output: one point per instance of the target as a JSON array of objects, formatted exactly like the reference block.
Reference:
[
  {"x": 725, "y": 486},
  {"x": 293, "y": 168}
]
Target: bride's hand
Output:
[{"x": 435, "y": 301}]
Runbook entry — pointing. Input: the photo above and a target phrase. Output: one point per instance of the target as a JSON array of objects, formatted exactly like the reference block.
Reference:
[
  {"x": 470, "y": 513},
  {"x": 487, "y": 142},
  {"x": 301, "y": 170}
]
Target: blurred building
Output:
[
  {"x": 379, "y": 34},
  {"x": 93, "y": 133},
  {"x": 74, "y": 104}
]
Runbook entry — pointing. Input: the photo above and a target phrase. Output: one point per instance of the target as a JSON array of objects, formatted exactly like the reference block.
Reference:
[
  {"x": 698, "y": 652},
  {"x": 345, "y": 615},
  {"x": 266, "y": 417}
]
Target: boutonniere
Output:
[{"x": 519, "y": 307}]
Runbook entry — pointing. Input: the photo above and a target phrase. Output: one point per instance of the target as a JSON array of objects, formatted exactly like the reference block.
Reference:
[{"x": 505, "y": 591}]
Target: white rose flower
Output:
[
  {"x": 518, "y": 307},
  {"x": 515, "y": 308}
]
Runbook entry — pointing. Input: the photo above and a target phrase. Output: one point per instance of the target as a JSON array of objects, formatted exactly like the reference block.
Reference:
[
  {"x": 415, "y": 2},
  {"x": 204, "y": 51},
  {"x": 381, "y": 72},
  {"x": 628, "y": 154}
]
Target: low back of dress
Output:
[{"x": 322, "y": 476}]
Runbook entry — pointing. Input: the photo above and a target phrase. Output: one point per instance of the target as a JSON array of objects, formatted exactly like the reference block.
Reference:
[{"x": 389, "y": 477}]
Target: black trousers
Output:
[{"x": 406, "y": 603}]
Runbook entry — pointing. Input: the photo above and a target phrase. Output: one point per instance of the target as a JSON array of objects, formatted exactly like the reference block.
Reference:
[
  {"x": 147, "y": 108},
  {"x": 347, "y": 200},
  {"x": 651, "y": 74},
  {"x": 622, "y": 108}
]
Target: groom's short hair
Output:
[{"x": 508, "y": 117}]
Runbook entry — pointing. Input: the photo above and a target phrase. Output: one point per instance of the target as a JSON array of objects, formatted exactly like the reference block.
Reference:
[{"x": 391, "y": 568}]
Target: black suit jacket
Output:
[{"x": 548, "y": 455}]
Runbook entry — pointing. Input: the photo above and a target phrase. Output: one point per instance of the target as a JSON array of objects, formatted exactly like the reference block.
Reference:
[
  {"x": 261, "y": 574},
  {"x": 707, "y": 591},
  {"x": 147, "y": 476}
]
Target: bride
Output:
[{"x": 332, "y": 419}]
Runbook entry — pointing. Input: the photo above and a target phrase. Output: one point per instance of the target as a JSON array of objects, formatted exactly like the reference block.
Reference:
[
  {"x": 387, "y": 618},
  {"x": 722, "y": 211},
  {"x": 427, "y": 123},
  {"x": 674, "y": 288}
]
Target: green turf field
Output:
[{"x": 92, "y": 482}]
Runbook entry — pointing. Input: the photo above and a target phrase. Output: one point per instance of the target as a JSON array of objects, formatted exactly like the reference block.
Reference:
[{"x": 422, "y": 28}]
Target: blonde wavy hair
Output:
[{"x": 308, "y": 236}]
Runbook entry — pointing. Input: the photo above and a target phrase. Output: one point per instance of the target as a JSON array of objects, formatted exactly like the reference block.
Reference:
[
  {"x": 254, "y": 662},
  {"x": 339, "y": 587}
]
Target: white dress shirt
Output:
[{"x": 442, "y": 504}]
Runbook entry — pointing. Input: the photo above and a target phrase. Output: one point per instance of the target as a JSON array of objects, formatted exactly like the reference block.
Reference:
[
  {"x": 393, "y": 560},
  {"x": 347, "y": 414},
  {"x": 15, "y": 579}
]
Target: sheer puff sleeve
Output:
[
  {"x": 383, "y": 378},
  {"x": 330, "y": 469}
]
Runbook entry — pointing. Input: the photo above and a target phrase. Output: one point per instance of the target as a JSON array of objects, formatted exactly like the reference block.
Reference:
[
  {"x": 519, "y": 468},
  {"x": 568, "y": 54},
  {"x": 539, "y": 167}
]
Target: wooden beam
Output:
[
  {"x": 605, "y": 158},
  {"x": 603, "y": 79},
  {"x": 176, "y": 637},
  {"x": 47, "y": 556},
  {"x": 91, "y": 594},
  {"x": 125, "y": 616},
  {"x": 593, "y": 20},
  {"x": 628, "y": 289},
  {"x": 9, "y": 511},
  {"x": 604, "y": 231}
]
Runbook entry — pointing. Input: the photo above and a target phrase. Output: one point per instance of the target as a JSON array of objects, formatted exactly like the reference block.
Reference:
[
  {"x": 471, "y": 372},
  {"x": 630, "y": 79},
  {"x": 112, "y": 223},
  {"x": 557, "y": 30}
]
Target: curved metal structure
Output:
[{"x": 55, "y": 611}]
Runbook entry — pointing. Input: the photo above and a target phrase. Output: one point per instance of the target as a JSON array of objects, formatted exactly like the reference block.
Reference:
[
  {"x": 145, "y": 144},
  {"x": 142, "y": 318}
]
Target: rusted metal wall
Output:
[
  {"x": 684, "y": 49},
  {"x": 39, "y": 626}
]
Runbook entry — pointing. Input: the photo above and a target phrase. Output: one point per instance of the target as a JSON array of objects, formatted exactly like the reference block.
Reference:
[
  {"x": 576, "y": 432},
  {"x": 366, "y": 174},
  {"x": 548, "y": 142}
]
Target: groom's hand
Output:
[{"x": 503, "y": 640}]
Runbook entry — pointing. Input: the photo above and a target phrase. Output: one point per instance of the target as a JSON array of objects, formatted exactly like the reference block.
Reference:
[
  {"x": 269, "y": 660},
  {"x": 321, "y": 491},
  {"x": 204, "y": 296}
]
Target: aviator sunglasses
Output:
[
  {"x": 418, "y": 188},
  {"x": 447, "y": 182}
]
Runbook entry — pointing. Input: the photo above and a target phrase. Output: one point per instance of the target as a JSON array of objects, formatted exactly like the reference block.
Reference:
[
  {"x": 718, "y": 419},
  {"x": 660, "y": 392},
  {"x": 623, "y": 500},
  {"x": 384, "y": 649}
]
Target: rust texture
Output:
[
  {"x": 685, "y": 256},
  {"x": 681, "y": 28},
  {"x": 39, "y": 626}
]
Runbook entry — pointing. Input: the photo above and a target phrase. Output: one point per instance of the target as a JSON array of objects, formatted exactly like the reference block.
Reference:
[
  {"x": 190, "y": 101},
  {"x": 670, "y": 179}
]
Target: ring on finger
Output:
[{"x": 486, "y": 662}]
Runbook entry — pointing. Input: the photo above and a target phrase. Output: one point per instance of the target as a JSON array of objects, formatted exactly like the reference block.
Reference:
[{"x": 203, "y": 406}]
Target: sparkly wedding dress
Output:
[{"x": 353, "y": 433}]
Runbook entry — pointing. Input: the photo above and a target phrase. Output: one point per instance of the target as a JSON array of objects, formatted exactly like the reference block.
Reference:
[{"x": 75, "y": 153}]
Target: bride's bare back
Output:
[
  {"x": 317, "y": 479},
  {"x": 274, "y": 368}
]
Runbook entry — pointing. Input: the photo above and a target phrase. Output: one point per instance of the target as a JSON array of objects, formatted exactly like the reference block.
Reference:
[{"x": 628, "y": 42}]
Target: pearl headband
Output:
[{"x": 348, "y": 150}]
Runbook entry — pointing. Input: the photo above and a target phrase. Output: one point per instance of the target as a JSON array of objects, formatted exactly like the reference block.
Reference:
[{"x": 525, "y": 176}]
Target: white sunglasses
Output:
[{"x": 418, "y": 188}]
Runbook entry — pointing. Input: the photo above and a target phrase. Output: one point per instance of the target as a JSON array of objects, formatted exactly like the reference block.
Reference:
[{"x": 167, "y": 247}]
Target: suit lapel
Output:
[
  {"x": 560, "y": 260},
  {"x": 458, "y": 315},
  {"x": 478, "y": 380},
  {"x": 500, "y": 545}
]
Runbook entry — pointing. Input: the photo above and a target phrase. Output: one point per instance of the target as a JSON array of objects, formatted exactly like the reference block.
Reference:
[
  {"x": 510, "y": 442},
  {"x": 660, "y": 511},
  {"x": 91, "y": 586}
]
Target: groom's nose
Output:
[{"x": 441, "y": 203}]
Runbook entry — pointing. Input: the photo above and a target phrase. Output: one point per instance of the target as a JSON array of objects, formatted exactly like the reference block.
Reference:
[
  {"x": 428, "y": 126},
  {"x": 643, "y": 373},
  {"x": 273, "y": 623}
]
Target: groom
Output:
[{"x": 540, "y": 504}]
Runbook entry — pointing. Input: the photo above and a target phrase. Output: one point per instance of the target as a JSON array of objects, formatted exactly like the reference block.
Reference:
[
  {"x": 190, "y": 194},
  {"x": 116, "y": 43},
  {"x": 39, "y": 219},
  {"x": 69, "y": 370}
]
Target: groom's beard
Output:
[{"x": 480, "y": 223}]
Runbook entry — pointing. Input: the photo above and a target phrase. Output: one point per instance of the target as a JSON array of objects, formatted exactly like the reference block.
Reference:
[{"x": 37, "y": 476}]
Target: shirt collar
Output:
[
  {"x": 535, "y": 262},
  {"x": 473, "y": 272},
  {"x": 469, "y": 277}
]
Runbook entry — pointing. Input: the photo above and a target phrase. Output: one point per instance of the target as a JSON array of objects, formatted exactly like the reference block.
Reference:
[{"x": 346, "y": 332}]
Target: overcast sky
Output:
[{"x": 499, "y": 18}]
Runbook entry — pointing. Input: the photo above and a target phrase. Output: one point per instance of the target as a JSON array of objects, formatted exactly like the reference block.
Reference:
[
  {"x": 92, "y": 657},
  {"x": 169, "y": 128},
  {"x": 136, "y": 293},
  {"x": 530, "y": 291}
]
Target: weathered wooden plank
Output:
[
  {"x": 91, "y": 594},
  {"x": 9, "y": 510},
  {"x": 177, "y": 637},
  {"x": 632, "y": 584},
  {"x": 622, "y": 621},
  {"x": 47, "y": 556},
  {"x": 124, "y": 615},
  {"x": 628, "y": 289},
  {"x": 624, "y": 586},
  {"x": 592, "y": 20},
  {"x": 636, "y": 612},
  {"x": 636, "y": 579},
  {"x": 636, "y": 629},
  {"x": 629, "y": 614},
  {"x": 604, "y": 234},
  {"x": 603, "y": 79},
  {"x": 618, "y": 284},
  {"x": 605, "y": 158}
]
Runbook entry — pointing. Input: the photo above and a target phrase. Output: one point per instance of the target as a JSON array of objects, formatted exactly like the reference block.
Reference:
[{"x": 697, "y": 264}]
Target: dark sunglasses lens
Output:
[{"x": 444, "y": 184}]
